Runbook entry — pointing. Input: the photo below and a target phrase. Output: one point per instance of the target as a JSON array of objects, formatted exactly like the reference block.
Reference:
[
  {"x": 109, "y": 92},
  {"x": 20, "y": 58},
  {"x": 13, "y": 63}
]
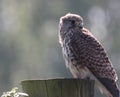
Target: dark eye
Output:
[{"x": 73, "y": 22}]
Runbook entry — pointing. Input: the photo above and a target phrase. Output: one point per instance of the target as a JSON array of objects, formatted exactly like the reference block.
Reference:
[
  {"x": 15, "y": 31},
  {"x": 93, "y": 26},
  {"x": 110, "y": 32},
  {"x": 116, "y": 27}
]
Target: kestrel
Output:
[{"x": 85, "y": 56}]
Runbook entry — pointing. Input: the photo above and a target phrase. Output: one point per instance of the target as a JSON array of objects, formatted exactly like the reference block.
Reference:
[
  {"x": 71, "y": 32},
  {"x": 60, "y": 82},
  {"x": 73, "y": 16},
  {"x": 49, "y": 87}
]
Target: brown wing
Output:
[{"x": 85, "y": 50}]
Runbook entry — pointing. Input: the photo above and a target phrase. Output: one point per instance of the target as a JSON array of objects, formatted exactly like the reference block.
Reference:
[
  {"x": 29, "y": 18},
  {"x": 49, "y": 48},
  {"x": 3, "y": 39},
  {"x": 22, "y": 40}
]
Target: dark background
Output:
[{"x": 29, "y": 47}]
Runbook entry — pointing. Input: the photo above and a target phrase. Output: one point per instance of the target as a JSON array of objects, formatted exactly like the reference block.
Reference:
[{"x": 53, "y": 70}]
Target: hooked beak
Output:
[{"x": 81, "y": 25}]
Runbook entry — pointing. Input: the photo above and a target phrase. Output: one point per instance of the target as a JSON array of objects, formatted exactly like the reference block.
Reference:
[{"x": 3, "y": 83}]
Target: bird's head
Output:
[
  {"x": 71, "y": 21},
  {"x": 67, "y": 23}
]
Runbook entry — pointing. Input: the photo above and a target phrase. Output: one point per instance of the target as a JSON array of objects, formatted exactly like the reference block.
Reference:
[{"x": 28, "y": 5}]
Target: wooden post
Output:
[{"x": 59, "y": 88}]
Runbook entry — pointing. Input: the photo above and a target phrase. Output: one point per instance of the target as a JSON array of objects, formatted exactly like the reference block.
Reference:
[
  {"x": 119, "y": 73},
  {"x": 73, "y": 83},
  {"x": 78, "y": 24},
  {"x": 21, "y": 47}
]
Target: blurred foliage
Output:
[
  {"x": 29, "y": 47},
  {"x": 14, "y": 93}
]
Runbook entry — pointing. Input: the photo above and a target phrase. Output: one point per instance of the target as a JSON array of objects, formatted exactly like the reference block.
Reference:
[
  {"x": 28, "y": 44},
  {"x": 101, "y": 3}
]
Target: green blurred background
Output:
[{"x": 29, "y": 47}]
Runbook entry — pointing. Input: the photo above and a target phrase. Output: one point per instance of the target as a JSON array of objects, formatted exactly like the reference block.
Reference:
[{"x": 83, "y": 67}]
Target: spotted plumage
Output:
[{"x": 85, "y": 56}]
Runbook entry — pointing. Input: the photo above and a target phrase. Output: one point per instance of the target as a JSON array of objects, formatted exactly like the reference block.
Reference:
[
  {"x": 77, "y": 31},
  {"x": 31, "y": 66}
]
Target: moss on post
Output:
[{"x": 59, "y": 88}]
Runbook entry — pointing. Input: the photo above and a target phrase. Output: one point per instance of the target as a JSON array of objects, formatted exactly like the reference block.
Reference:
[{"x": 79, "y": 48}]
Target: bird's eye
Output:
[{"x": 73, "y": 22}]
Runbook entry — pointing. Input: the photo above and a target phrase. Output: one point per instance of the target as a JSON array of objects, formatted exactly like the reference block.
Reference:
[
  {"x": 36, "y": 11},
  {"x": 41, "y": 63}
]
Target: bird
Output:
[{"x": 85, "y": 56}]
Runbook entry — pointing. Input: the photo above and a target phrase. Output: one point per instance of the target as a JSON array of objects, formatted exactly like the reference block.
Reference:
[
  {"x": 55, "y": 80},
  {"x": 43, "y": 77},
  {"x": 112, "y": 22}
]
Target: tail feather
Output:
[{"x": 111, "y": 86}]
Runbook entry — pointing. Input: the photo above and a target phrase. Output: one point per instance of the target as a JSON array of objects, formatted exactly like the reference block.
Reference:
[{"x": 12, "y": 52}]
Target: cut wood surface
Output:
[{"x": 59, "y": 88}]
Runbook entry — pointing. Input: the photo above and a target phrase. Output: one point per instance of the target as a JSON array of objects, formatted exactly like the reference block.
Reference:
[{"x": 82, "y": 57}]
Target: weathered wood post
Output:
[{"x": 59, "y": 88}]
